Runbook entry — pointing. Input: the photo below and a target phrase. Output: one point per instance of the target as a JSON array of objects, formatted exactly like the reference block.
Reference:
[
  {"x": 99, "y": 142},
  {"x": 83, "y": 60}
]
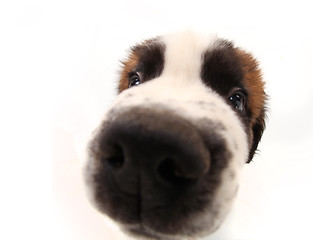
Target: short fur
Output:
[{"x": 166, "y": 160}]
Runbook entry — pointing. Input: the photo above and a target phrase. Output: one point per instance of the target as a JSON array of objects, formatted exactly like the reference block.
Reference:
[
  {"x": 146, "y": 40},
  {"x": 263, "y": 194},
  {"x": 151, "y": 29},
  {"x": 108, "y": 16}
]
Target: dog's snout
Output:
[
  {"x": 149, "y": 165},
  {"x": 153, "y": 148}
]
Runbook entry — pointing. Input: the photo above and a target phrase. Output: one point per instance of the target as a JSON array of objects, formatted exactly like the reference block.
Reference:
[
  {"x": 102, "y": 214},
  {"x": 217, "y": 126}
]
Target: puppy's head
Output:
[{"x": 165, "y": 161}]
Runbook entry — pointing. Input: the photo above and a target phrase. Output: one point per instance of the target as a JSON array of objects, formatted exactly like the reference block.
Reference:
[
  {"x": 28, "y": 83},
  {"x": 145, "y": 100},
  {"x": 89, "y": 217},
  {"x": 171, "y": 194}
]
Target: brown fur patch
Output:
[
  {"x": 146, "y": 58},
  {"x": 127, "y": 67},
  {"x": 254, "y": 84}
]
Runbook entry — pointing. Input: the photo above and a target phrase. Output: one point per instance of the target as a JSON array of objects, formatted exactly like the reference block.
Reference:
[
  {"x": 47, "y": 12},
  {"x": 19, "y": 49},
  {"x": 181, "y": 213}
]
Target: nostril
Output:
[
  {"x": 169, "y": 171},
  {"x": 116, "y": 161},
  {"x": 166, "y": 169},
  {"x": 114, "y": 157}
]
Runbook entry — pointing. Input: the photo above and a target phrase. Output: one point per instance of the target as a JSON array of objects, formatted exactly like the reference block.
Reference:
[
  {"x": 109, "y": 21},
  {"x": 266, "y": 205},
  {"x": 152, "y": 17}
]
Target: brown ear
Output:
[{"x": 257, "y": 132}]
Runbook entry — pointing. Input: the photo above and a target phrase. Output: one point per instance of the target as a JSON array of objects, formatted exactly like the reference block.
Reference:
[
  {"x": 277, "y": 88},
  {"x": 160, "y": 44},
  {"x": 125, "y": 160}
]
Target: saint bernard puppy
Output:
[{"x": 165, "y": 162}]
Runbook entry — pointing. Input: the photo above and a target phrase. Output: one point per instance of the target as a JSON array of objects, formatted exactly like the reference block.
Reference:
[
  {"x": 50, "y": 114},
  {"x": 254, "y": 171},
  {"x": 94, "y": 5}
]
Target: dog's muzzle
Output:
[
  {"x": 167, "y": 168},
  {"x": 154, "y": 171}
]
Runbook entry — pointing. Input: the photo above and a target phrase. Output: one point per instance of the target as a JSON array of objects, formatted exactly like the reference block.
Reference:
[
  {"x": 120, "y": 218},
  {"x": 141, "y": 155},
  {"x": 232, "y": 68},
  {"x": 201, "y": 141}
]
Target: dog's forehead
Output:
[
  {"x": 184, "y": 53},
  {"x": 188, "y": 59},
  {"x": 184, "y": 57}
]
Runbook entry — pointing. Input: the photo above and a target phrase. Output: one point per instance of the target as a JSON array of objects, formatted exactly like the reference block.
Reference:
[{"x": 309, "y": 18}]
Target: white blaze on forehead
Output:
[{"x": 183, "y": 54}]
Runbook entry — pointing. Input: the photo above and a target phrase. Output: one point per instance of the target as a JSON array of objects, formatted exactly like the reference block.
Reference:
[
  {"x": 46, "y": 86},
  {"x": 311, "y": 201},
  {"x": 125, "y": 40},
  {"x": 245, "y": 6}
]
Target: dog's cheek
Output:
[{"x": 256, "y": 134}]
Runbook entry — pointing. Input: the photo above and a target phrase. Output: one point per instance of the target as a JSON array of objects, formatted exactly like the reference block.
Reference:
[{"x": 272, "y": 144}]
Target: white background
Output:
[{"x": 64, "y": 56}]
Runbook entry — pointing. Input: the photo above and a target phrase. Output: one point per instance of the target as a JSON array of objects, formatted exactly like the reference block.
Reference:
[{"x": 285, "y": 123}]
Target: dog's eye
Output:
[
  {"x": 134, "y": 80},
  {"x": 238, "y": 101}
]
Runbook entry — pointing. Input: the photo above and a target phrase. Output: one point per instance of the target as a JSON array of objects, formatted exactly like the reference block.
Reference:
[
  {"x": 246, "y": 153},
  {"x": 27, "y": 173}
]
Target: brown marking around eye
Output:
[
  {"x": 252, "y": 78},
  {"x": 147, "y": 58},
  {"x": 127, "y": 67}
]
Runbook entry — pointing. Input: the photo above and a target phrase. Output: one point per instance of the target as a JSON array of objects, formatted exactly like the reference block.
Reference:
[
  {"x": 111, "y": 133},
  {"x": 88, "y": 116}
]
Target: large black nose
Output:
[{"x": 153, "y": 149}]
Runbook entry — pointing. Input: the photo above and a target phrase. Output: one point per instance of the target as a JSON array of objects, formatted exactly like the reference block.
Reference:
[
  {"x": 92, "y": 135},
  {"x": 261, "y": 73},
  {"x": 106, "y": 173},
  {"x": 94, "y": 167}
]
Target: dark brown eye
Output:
[
  {"x": 134, "y": 80},
  {"x": 238, "y": 101}
]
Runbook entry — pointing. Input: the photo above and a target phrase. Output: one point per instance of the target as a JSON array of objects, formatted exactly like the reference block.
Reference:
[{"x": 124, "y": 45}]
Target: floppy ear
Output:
[{"x": 257, "y": 132}]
